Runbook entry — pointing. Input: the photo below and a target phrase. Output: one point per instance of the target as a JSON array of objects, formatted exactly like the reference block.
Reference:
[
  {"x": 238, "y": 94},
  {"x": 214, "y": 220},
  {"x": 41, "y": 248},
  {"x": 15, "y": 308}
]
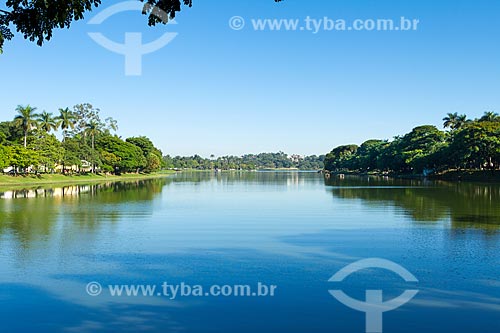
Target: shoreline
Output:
[
  {"x": 8, "y": 182},
  {"x": 490, "y": 176}
]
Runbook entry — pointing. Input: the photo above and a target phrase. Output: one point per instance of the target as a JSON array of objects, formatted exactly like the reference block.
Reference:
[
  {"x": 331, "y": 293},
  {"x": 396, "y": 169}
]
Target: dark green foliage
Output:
[
  {"x": 48, "y": 148},
  {"x": 368, "y": 154},
  {"x": 23, "y": 158},
  {"x": 87, "y": 145},
  {"x": 245, "y": 162},
  {"x": 341, "y": 158},
  {"x": 5, "y": 157},
  {"x": 47, "y": 122},
  {"x": 312, "y": 162},
  {"x": 490, "y": 116},
  {"x": 152, "y": 154},
  {"x": 37, "y": 19},
  {"x": 26, "y": 119},
  {"x": 469, "y": 145},
  {"x": 455, "y": 121},
  {"x": 153, "y": 162},
  {"x": 477, "y": 145},
  {"x": 10, "y": 133},
  {"x": 129, "y": 156},
  {"x": 72, "y": 152}
]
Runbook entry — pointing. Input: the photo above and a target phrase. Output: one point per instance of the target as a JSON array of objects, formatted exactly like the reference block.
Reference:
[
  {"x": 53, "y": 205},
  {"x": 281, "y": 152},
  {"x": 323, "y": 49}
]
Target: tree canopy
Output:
[
  {"x": 277, "y": 160},
  {"x": 88, "y": 144},
  {"x": 469, "y": 144}
]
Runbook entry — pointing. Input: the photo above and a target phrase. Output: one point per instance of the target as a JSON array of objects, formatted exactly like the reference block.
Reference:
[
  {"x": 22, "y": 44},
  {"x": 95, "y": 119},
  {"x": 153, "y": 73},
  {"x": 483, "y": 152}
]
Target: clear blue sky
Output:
[{"x": 215, "y": 90}]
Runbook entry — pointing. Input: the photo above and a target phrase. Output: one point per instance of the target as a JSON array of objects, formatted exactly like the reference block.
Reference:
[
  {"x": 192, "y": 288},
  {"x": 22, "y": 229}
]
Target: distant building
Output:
[
  {"x": 85, "y": 166},
  {"x": 7, "y": 170},
  {"x": 296, "y": 158}
]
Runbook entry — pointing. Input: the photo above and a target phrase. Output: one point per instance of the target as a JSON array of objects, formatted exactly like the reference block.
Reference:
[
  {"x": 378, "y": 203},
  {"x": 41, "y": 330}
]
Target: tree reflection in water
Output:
[{"x": 467, "y": 205}]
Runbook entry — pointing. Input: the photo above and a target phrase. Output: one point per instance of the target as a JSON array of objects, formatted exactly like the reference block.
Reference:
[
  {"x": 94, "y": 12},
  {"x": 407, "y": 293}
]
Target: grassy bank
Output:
[{"x": 7, "y": 181}]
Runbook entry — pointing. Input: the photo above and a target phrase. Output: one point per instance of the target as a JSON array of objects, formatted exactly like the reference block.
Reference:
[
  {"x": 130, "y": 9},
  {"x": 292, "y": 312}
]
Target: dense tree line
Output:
[
  {"x": 28, "y": 144},
  {"x": 467, "y": 144},
  {"x": 89, "y": 144},
  {"x": 246, "y": 162}
]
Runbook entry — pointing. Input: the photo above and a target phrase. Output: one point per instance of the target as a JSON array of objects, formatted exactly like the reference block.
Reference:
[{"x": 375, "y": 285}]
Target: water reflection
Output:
[
  {"x": 32, "y": 214},
  {"x": 275, "y": 178},
  {"x": 89, "y": 189},
  {"x": 466, "y": 205},
  {"x": 279, "y": 228}
]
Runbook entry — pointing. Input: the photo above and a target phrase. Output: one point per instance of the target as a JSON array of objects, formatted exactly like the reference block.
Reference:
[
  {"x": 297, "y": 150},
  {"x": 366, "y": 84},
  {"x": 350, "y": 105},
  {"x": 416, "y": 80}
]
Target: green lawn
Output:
[{"x": 7, "y": 181}]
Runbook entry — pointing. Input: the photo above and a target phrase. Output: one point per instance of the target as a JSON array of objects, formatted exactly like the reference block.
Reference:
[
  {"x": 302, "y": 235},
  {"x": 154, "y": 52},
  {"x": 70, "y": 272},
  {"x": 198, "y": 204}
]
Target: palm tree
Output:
[
  {"x": 26, "y": 119},
  {"x": 67, "y": 120},
  {"x": 93, "y": 128},
  {"x": 461, "y": 121},
  {"x": 490, "y": 116},
  {"x": 450, "y": 120},
  {"x": 46, "y": 122},
  {"x": 455, "y": 121}
]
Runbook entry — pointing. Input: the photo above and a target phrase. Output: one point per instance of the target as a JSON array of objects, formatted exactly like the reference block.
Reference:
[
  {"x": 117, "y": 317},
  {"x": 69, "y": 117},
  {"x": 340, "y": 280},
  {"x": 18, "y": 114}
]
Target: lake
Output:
[{"x": 63, "y": 250}]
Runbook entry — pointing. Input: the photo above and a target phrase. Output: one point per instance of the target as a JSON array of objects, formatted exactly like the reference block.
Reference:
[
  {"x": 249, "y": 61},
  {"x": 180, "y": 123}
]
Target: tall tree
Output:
[
  {"x": 341, "y": 158},
  {"x": 23, "y": 158},
  {"x": 47, "y": 122},
  {"x": 49, "y": 149},
  {"x": 111, "y": 124},
  {"x": 5, "y": 157},
  {"x": 455, "y": 121},
  {"x": 477, "y": 146},
  {"x": 146, "y": 146},
  {"x": 490, "y": 116},
  {"x": 67, "y": 120},
  {"x": 26, "y": 119},
  {"x": 129, "y": 157},
  {"x": 93, "y": 129}
]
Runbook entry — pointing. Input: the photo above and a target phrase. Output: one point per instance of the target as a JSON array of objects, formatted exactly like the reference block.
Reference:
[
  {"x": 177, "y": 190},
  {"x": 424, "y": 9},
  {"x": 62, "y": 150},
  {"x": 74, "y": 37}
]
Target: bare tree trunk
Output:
[{"x": 93, "y": 154}]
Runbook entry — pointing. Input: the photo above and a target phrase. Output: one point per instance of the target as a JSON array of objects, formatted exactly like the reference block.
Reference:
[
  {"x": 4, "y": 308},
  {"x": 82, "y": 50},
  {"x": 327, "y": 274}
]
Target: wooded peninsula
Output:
[{"x": 466, "y": 145}]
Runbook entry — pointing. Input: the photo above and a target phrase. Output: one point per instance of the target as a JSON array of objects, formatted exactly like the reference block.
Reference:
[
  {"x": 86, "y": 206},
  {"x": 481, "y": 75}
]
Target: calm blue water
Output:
[{"x": 287, "y": 229}]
